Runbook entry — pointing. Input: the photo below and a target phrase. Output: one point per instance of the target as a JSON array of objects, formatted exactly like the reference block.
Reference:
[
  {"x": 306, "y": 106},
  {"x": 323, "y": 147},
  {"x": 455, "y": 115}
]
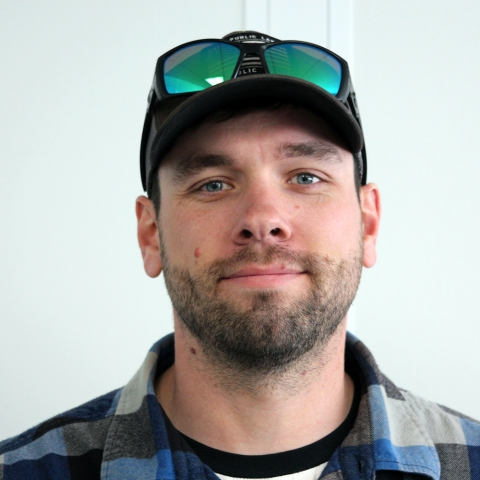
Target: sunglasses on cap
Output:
[{"x": 199, "y": 65}]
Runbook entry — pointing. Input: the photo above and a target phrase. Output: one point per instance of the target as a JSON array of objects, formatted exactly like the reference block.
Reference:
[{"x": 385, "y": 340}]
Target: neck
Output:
[{"x": 255, "y": 415}]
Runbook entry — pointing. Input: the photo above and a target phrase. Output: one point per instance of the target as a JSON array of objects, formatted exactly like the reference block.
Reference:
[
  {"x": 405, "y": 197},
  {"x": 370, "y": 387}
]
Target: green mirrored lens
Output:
[
  {"x": 199, "y": 66},
  {"x": 306, "y": 62}
]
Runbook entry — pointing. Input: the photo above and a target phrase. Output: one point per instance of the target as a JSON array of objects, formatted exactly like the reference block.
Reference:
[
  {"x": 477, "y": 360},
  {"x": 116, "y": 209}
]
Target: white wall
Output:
[
  {"x": 417, "y": 73},
  {"x": 78, "y": 313}
]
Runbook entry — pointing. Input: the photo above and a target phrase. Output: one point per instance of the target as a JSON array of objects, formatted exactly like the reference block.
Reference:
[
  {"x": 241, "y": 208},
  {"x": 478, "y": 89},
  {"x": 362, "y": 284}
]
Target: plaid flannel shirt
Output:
[{"x": 126, "y": 435}]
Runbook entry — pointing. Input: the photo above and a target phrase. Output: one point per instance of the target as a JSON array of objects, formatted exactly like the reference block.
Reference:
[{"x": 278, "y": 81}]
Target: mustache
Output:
[{"x": 308, "y": 262}]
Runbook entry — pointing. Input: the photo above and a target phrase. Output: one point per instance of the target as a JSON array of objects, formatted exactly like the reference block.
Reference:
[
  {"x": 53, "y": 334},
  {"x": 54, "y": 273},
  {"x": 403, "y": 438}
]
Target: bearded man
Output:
[{"x": 261, "y": 219}]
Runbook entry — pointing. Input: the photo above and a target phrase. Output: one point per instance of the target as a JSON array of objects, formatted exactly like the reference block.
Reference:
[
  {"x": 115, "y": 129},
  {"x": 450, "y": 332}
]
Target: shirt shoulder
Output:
[
  {"x": 57, "y": 445},
  {"x": 454, "y": 436},
  {"x": 399, "y": 431},
  {"x": 442, "y": 424}
]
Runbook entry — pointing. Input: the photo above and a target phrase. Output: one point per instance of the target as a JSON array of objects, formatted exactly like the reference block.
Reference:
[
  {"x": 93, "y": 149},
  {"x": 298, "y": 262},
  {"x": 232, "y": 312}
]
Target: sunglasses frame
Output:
[{"x": 158, "y": 91}]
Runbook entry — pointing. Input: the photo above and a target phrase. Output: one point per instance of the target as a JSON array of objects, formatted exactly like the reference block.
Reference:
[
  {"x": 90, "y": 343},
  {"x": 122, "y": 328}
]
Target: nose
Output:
[{"x": 260, "y": 219}]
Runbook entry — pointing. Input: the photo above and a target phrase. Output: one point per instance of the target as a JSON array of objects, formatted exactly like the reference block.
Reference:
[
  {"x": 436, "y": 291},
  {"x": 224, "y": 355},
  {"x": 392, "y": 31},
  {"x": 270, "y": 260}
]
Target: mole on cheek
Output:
[
  {"x": 197, "y": 252},
  {"x": 193, "y": 351}
]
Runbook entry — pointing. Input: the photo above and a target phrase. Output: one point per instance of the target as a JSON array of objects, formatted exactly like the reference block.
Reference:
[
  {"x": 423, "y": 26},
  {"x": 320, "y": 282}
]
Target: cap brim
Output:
[{"x": 287, "y": 89}]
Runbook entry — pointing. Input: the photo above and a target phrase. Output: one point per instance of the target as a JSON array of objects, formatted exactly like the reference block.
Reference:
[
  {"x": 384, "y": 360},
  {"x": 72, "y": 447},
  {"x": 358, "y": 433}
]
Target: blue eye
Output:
[
  {"x": 305, "y": 179},
  {"x": 215, "y": 186}
]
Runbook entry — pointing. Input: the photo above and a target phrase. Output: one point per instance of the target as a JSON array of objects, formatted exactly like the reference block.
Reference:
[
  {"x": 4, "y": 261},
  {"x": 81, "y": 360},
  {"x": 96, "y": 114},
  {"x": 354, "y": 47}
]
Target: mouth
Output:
[{"x": 264, "y": 277}]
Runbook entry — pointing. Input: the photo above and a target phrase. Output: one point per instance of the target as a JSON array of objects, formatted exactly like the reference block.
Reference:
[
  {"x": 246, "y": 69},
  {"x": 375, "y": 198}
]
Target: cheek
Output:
[
  {"x": 334, "y": 227},
  {"x": 193, "y": 236}
]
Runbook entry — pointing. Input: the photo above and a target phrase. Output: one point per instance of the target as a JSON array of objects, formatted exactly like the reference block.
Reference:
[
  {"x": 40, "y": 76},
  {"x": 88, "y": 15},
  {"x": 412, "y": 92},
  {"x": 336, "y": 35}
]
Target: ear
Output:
[
  {"x": 148, "y": 236},
  {"x": 371, "y": 209}
]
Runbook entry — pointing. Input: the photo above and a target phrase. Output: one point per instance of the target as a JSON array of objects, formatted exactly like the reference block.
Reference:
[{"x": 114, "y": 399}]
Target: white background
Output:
[{"x": 77, "y": 311}]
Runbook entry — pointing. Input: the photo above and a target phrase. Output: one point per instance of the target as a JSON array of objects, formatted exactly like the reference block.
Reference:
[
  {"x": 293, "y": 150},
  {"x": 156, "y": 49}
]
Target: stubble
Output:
[{"x": 267, "y": 332}]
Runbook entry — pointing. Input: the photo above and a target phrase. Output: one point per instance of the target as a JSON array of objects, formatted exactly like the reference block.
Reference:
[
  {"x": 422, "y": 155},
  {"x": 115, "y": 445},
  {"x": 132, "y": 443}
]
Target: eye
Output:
[
  {"x": 305, "y": 179},
  {"x": 215, "y": 186}
]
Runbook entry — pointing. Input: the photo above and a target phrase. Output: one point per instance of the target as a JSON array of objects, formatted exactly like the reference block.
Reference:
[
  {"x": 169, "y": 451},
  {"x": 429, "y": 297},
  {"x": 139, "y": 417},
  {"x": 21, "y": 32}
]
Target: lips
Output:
[
  {"x": 272, "y": 277},
  {"x": 258, "y": 271}
]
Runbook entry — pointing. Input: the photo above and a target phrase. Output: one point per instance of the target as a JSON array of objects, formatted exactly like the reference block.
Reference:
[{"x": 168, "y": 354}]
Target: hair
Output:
[{"x": 240, "y": 109}]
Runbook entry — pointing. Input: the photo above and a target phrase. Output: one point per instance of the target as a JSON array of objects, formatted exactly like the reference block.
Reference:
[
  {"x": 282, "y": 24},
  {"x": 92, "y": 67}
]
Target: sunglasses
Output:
[{"x": 198, "y": 65}]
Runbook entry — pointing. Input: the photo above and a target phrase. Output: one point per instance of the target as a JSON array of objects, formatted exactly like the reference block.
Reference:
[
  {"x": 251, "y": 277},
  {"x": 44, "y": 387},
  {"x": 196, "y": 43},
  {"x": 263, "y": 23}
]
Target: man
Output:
[{"x": 261, "y": 219}]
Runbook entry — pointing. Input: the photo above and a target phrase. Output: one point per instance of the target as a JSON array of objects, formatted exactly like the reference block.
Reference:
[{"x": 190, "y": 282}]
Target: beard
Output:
[{"x": 260, "y": 332}]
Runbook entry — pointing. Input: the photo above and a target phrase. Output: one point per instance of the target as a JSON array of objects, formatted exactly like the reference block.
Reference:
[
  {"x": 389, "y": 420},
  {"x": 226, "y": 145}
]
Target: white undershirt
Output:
[{"x": 310, "y": 474}]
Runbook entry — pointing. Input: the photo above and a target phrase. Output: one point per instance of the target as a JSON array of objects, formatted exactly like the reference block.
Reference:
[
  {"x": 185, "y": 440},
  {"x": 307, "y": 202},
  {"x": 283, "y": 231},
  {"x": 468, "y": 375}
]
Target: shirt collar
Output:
[{"x": 388, "y": 433}]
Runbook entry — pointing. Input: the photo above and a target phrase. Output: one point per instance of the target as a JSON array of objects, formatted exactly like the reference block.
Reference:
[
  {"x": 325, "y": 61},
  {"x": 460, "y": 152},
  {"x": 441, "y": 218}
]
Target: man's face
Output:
[{"x": 261, "y": 234}]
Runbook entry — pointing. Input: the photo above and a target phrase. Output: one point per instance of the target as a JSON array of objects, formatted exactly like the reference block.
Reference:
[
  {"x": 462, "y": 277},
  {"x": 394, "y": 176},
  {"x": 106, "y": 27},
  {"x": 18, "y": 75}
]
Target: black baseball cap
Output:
[{"x": 244, "y": 66}]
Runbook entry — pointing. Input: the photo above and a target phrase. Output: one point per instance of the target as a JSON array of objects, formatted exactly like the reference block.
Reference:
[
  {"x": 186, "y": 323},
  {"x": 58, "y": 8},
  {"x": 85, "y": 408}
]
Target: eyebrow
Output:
[
  {"x": 193, "y": 164},
  {"x": 324, "y": 151}
]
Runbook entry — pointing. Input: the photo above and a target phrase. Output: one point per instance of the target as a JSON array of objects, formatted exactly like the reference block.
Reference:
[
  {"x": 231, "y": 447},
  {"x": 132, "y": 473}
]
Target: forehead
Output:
[{"x": 275, "y": 128}]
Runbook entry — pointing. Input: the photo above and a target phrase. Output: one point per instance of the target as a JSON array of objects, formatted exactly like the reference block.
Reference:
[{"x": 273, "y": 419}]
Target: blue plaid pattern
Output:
[{"x": 126, "y": 435}]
